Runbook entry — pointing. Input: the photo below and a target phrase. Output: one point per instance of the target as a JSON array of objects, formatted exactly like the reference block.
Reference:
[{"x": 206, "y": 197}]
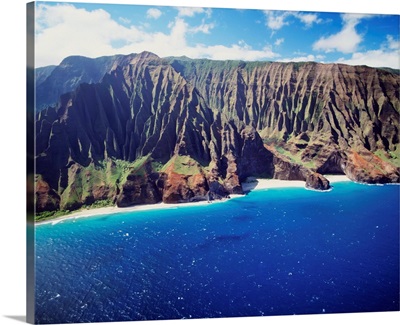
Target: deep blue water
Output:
[{"x": 272, "y": 252}]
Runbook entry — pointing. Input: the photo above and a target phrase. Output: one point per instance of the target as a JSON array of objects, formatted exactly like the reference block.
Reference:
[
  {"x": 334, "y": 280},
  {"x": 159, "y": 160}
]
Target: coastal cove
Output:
[
  {"x": 275, "y": 251},
  {"x": 250, "y": 185}
]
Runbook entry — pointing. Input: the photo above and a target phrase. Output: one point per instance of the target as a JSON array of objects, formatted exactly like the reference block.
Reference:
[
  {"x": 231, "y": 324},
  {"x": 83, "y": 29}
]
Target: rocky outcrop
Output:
[
  {"x": 285, "y": 170},
  {"x": 184, "y": 188},
  {"x": 256, "y": 160},
  {"x": 139, "y": 129},
  {"x": 139, "y": 189},
  {"x": 46, "y": 198},
  {"x": 317, "y": 182},
  {"x": 366, "y": 168}
]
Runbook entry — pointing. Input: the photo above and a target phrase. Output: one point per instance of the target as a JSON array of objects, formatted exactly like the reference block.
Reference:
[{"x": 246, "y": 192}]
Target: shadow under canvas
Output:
[{"x": 20, "y": 318}]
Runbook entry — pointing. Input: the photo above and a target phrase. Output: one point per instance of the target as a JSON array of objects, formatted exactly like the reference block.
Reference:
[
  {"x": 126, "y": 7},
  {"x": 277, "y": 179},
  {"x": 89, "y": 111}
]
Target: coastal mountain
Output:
[
  {"x": 140, "y": 129},
  {"x": 53, "y": 81}
]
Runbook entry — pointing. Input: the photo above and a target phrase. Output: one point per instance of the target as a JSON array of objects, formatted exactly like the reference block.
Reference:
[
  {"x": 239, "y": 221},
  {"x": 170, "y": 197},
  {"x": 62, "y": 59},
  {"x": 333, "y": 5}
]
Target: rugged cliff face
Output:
[
  {"x": 180, "y": 130},
  {"x": 53, "y": 81},
  {"x": 319, "y": 114}
]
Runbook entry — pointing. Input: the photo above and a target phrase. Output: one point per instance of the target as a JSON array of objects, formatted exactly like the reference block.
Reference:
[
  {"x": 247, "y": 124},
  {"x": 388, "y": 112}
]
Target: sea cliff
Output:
[{"x": 143, "y": 129}]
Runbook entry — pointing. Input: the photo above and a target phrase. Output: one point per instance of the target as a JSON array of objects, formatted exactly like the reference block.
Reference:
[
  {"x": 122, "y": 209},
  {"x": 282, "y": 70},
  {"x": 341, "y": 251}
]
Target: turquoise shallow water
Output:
[{"x": 271, "y": 252}]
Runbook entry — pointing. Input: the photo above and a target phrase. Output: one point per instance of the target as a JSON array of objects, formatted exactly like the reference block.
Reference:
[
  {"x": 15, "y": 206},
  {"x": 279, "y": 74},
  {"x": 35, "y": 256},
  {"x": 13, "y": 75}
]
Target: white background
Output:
[{"x": 12, "y": 157}]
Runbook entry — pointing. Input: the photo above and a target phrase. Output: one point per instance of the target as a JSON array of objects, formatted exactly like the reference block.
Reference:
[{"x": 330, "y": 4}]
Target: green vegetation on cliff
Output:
[
  {"x": 175, "y": 129},
  {"x": 97, "y": 181},
  {"x": 184, "y": 165}
]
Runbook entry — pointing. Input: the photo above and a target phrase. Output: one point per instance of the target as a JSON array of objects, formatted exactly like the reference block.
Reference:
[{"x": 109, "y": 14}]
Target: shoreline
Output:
[
  {"x": 263, "y": 184},
  {"x": 250, "y": 185}
]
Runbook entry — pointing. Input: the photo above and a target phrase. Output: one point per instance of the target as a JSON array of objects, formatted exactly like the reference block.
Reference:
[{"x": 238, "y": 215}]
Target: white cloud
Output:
[
  {"x": 124, "y": 20},
  {"x": 374, "y": 58},
  {"x": 308, "y": 19},
  {"x": 387, "y": 55},
  {"x": 276, "y": 19},
  {"x": 64, "y": 30},
  {"x": 239, "y": 51},
  {"x": 190, "y": 12},
  {"x": 392, "y": 43},
  {"x": 203, "y": 28},
  {"x": 279, "y": 41},
  {"x": 345, "y": 41},
  {"x": 178, "y": 46},
  {"x": 154, "y": 13},
  {"x": 354, "y": 19},
  {"x": 305, "y": 58}
]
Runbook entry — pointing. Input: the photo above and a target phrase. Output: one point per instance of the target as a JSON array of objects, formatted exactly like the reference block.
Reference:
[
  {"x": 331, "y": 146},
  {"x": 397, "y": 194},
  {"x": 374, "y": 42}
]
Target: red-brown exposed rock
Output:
[
  {"x": 366, "y": 167},
  {"x": 317, "y": 182},
  {"x": 183, "y": 188},
  {"x": 46, "y": 198}
]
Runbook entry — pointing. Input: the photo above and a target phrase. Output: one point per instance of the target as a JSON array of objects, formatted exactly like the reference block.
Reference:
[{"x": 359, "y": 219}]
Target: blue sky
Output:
[{"x": 95, "y": 30}]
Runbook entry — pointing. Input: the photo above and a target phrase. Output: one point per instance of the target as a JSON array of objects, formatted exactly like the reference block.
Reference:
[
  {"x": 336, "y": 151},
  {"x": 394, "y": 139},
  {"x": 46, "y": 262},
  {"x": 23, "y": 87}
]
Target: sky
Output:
[{"x": 93, "y": 30}]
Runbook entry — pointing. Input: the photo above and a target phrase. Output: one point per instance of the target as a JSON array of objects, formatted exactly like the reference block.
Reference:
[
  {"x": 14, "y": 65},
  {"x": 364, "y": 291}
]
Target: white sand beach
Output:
[
  {"x": 337, "y": 178},
  {"x": 115, "y": 209},
  {"x": 251, "y": 185},
  {"x": 262, "y": 184}
]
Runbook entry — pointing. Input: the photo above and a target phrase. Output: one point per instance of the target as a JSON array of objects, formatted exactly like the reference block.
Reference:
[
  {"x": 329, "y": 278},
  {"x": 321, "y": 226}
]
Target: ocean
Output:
[{"x": 280, "y": 251}]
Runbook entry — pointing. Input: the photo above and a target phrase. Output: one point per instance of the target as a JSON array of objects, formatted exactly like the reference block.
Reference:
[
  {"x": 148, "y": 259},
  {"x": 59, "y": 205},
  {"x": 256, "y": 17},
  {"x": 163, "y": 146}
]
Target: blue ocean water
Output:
[{"x": 271, "y": 252}]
